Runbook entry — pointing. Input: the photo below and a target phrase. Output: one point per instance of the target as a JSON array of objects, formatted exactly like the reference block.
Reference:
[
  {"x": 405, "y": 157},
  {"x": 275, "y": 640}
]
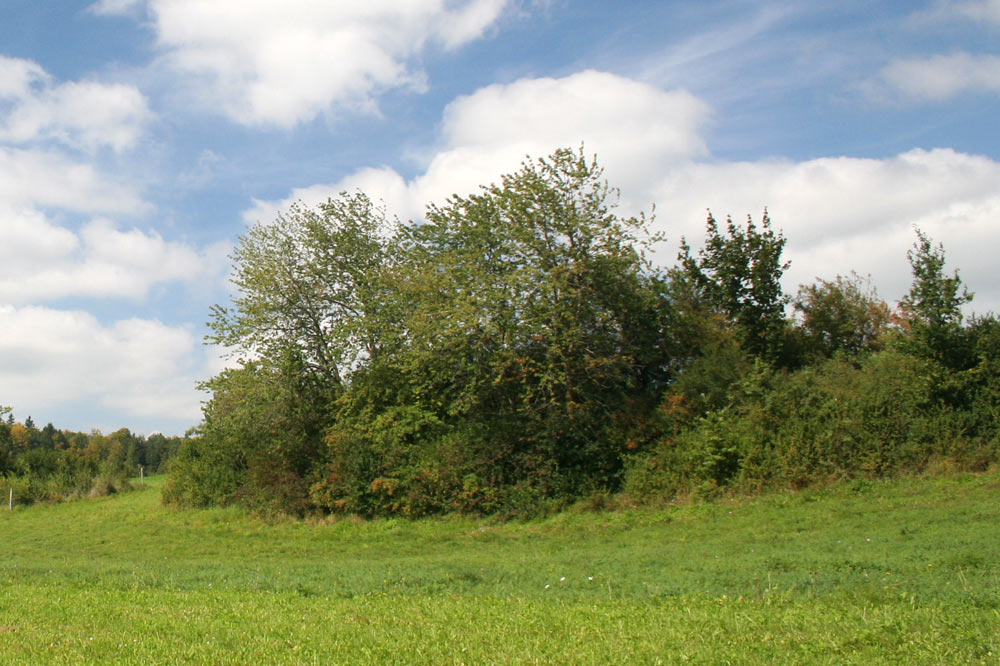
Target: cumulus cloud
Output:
[
  {"x": 30, "y": 177},
  {"x": 141, "y": 367},
  {"x": 82, "y": 114},
  {"x": 43, "y": 259},
  {"x": 40, "y": 260},
  {"x": 262, "y": 62},
  {"x": 838, "y": 213},
  {"x": 941, "y": 77},
  {"x": 635, "y": 129},
  {"x": 841, "y": 214}
]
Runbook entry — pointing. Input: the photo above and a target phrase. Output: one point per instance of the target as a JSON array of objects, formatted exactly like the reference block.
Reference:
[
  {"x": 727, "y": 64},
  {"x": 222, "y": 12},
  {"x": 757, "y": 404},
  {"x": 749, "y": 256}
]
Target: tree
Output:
[
  {"x": 506, "y": 347},
  {"x": 309, "y": 312},
  {"x": 45, "y": 438},
  {"x": 841, "y": 316},
  {"x": 6, "y": 442},
  {"x": 309, "y": 285},
  {"x": 532, "y": 327},
  {"x": 932, "y": 309},
  {"x": 738, "y": 273}
]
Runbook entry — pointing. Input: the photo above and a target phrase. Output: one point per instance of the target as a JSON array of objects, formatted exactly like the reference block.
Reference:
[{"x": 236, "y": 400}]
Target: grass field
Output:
[{"x": 862, "y": 573}]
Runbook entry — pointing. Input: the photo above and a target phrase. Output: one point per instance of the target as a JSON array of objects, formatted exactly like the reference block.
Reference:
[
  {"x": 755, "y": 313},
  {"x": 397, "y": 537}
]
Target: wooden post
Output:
[
  {"x": 10, "y": 501},
  {"x": 142, "y": 475}
]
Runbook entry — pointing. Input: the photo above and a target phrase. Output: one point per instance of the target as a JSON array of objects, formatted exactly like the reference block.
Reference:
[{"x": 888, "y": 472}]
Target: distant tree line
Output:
[
  {"x": 47, "y": 464},
  {"x": 517, "y": 351}
]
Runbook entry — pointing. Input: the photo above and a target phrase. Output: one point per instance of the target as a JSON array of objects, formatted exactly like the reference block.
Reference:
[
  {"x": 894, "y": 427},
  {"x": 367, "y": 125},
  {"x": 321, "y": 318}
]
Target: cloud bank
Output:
[
  {"x": 60, "y": 242},
  {"x": 838, "y": 213},
  {"x": 141, "y": 367}
]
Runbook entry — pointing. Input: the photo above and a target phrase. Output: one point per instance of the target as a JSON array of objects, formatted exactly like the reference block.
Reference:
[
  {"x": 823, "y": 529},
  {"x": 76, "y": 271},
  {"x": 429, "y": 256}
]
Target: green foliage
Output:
[
  {"x": 517, "y": 352},
  {"x": 546, "y": 294},
  {"x": 738, "y": 273},
  {"x": 311, "y": 309},
  {"x": 51, "y": 465},
  {"x": 311, "y": 287},
  {"x": 885, "y": 415},
  {"x": 932, "y": 310},
  {"x": 261, "y": 436},
  {"x": 843, "y": 316}
]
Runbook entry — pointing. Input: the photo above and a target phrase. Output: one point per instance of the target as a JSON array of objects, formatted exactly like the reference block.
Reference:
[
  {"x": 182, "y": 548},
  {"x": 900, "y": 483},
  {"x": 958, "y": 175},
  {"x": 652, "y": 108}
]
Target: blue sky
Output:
[{"x": 139, "y": 138}]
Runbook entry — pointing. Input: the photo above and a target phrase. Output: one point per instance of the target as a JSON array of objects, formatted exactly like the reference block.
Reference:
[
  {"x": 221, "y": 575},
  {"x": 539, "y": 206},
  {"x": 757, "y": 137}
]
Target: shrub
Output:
[{"x": 835, "y": 419}]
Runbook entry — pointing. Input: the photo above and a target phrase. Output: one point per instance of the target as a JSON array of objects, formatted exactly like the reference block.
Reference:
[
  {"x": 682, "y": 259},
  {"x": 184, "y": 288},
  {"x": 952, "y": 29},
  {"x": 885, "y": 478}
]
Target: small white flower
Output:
[
  {"x": 563, "y": 579},
  {"x": 590, "y": 578},
  {"x": 546, "y": 587}
]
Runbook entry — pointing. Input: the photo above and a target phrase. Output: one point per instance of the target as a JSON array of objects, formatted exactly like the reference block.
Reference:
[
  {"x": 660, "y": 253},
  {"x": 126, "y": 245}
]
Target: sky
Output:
[{"x": 140, "y": 138}]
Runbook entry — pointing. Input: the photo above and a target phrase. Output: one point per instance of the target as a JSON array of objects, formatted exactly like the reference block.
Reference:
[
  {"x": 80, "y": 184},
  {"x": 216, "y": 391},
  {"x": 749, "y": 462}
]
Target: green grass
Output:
[{"x": 866, "y": 572}]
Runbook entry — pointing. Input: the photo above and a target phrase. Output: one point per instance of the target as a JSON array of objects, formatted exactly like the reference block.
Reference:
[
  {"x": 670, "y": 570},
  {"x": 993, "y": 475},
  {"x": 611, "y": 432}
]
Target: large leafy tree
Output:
[
  {"x": 310, "y": 298},
  {"x": 309, "y": 285},
  {"x": 533, "y": 330},
  {"x": 550, "y": 293}
]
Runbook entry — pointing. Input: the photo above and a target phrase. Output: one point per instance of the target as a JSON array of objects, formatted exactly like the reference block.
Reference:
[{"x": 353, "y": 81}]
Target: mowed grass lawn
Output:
[{"x": 861, "y": 573}]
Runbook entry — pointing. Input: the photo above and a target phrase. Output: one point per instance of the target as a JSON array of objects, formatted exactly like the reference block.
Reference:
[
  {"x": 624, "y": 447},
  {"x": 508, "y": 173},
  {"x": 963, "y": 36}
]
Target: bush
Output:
[
  {"x": 204, "y": 473},
  {"x": 832, "y": 420}
]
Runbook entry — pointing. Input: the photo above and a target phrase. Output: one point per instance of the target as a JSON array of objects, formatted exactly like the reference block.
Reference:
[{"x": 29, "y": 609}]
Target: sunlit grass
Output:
[{"x": 873, "y": 572}]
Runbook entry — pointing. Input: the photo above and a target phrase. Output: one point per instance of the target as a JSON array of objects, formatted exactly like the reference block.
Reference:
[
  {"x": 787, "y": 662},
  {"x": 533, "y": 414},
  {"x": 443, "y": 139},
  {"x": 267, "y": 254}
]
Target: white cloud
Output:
[
  {"x": 18, "y": 76},
  {"x": 85, "y": 115},
  {"x": 941, "y": 77},
  {"x": 141, "y": 367},
  {"x": 838, "y": 213},
  {"x": 49, "y": 179},
  {"x": 262, "y": 62},
  {"x": 40, "y": 260},
  {"x": 468, "y": 22},
  {"x": 635, "y": 129},
  {"x": 842, "y": 214}
]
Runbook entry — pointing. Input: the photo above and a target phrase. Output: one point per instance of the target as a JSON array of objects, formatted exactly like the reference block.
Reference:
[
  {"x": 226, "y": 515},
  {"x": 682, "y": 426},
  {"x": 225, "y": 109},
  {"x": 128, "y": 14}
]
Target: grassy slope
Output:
[{"x": 864, "y": 573}]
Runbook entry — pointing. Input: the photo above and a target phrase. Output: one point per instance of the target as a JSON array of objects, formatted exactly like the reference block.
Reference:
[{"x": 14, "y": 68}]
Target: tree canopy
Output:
[{"x": 517, "y": 350}]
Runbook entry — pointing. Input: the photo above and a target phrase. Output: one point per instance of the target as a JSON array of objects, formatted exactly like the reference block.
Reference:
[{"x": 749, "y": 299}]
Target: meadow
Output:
[{"x": 862, "y": 572}]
